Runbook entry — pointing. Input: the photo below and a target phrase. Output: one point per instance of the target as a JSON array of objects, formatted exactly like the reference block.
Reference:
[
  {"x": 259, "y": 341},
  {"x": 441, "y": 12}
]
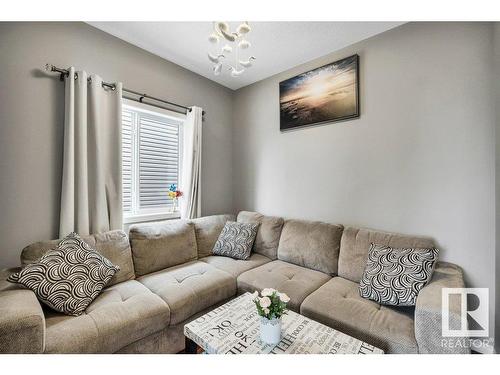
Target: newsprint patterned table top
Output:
[{"x": 233, "y": 328}]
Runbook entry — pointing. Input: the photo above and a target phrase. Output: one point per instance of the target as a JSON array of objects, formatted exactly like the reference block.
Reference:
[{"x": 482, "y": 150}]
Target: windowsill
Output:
[{"x": 151, "y": 217}]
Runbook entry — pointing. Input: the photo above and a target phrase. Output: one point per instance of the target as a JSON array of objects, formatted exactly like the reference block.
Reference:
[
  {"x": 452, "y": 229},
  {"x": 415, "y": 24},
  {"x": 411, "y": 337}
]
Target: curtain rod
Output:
[{"x": 185, "y": 110}]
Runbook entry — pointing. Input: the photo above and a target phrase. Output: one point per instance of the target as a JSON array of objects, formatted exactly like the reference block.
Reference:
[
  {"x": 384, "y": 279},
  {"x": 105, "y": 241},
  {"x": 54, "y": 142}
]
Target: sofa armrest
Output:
[
  {"x": 428, "y": 311},
  {"x": 22, "y": 322}
]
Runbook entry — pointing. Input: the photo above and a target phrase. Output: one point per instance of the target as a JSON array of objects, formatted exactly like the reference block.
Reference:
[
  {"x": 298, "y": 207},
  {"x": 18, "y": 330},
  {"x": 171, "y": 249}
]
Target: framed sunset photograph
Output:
[{"x": 326, "y": 94}]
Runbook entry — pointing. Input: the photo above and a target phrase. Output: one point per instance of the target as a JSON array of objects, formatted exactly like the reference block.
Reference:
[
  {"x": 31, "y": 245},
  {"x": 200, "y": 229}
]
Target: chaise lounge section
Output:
[{"x": 169, "y": 277}]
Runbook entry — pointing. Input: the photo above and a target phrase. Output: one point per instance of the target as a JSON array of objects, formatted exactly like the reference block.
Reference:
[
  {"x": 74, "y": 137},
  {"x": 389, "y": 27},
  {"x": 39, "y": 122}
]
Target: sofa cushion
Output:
[
  {"x": 311, "y": 244},
  {"x": 190, "y": 288},
  {"x": 69, "y": 277},
  {"x": 113, "y": 245},
  {"x": 268, "y": 234},
  {"x": 120, "y": 315},
  {"x": 156, "y": 246},
  {"x": 395, "y": 276},
  {"x": 296, "y": 281},
  {"x": 236, "y": 266},
  {"x": 338, "y": 304},
  {"x": 207, "y": 231},
  {"x": 236, "y": 240},
  {"x": 356, "y": 242}
]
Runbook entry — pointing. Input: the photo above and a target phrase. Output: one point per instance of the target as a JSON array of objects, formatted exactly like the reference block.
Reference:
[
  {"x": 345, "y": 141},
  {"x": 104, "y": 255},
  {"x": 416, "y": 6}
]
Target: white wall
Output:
[
  {"x": 32, "y": 116},
  {"x": 419, "y": 160}
]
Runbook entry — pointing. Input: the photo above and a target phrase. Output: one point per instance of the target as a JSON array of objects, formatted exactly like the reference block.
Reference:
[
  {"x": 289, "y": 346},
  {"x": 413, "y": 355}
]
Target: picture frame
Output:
[{"x": 327, "y": 94}]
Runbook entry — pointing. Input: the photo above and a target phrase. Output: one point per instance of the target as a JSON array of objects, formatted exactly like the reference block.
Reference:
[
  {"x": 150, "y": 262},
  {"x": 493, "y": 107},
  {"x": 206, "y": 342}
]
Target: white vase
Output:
[{"x": 270, "y": 330}]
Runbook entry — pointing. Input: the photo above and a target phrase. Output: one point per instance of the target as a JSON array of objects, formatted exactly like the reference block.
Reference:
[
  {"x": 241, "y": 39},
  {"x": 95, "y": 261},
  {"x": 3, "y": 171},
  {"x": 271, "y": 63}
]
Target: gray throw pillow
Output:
[
  {"x": 236, "y": 240},
  {"x": 394, "y": 276},
  {"x": 68, "y": 278}
]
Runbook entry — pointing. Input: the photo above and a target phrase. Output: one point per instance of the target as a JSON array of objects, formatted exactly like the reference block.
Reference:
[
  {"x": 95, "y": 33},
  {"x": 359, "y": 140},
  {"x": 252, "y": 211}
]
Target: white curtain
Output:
[
  {"x": 190, "y": 185},
  {"x": 91, "y": 196}
]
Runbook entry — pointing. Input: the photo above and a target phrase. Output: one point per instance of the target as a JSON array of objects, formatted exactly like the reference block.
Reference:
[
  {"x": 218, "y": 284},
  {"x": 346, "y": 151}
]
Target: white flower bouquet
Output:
[{"x": 271, "y": 304}]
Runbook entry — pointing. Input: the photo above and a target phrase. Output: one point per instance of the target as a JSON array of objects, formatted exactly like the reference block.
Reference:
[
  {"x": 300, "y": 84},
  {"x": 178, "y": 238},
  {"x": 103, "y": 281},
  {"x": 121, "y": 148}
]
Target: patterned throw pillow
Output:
[
  {"x": 395, "y": 276},
  {"x": 69, "y": 277},
  {"x": 236, "y": 240}
]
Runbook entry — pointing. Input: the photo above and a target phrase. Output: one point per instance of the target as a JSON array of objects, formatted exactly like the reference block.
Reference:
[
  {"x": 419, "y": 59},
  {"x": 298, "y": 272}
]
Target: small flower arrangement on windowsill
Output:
[
  {"x": 174, "y": 193},
  {"x": 271, "y": 306}
]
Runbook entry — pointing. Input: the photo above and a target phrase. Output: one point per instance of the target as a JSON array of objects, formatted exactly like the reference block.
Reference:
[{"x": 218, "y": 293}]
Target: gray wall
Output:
[
  {"x": 32, "y": 114},
  {"x": 496, "y": 80},
  {"x": 420, "y": 160}
]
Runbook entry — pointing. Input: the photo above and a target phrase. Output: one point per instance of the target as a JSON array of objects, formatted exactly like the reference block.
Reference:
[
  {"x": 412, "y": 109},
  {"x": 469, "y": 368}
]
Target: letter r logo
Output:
[{"x": 465, "y": 312}]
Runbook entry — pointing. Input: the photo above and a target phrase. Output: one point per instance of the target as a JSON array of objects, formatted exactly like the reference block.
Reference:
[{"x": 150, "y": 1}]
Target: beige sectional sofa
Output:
[{"x": 168, "y": 277}]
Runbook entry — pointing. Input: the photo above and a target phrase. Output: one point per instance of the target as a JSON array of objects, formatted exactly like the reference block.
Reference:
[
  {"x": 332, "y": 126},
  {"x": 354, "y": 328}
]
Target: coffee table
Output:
[{"x": 233, "y": 328}]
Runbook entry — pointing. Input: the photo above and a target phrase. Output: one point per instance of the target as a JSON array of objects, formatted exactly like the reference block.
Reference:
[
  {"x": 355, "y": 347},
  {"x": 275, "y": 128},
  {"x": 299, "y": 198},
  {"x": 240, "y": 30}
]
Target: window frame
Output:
[{"x": 137, "y": 215}]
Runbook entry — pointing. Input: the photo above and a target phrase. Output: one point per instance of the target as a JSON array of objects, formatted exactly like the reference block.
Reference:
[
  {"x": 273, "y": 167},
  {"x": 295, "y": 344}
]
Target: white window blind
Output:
[
  {"x": 127, "y": 151},
  {"x": 151, "y": 160}
]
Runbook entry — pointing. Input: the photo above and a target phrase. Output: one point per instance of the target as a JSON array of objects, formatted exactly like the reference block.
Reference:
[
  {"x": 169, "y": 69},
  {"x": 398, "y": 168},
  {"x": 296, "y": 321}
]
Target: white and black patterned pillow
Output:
[
  {"x": 236, "y": 240},
  {"x": 395, "y": 276},
  {"x": 68, "y": 278}
]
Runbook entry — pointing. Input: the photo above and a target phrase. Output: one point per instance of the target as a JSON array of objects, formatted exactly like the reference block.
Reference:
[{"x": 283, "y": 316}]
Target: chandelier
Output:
[{"x": 230, "y": 48}]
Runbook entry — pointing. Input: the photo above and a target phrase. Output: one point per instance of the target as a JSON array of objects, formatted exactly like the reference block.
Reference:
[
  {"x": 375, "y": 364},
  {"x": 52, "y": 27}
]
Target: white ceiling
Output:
[{"x": 278, "y": 46}]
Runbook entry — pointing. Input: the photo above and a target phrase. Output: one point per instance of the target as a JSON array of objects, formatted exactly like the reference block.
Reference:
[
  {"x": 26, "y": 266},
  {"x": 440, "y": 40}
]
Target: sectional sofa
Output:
[{"x": 169, "y": 277}]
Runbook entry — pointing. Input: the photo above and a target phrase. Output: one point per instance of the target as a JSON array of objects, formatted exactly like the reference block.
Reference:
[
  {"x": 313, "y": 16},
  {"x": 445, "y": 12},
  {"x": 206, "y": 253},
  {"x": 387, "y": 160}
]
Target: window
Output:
[{"x": 151, "y": 158}]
